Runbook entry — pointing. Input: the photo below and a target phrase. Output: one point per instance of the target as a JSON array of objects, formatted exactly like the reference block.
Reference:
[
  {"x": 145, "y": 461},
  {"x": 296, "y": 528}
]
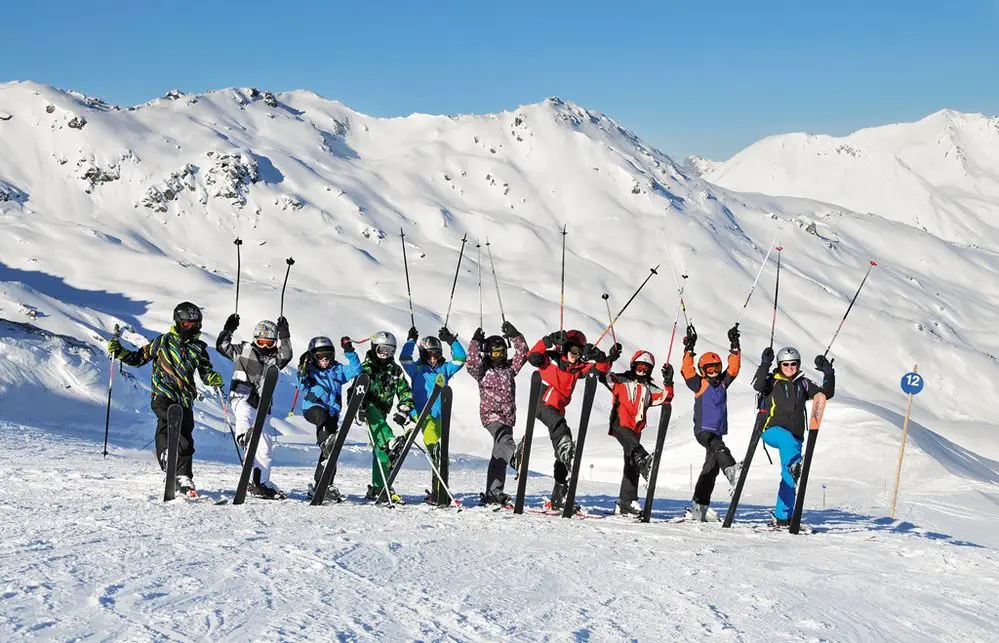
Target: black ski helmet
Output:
[
  {"x": 322, "y": 345},
  {"x": 495, "y": 343},
  {"x": 187, "y": 319}
]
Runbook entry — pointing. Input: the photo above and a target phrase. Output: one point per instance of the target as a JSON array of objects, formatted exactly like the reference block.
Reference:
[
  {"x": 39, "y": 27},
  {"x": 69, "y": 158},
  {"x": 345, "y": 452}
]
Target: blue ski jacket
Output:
[
  {"x": 322, "y": 387},
  {"x": 424, "y": 376}
]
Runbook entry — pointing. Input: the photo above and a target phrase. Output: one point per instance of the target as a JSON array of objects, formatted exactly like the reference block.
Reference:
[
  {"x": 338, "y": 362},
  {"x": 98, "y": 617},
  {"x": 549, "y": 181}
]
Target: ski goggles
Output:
[
  {"x": 712, "y": 369},
  {"x": 324, "y": 357},
  {"x": 642, "y": 368},
  {"x": 384, "y": 351},
  {"x": 497, "y": 352},
  {"x": 190, "y": 324},
  {"x": 575, "y": 350},
  {"x": 790, "y": 364},
  {"x": 264, "y": 342}
]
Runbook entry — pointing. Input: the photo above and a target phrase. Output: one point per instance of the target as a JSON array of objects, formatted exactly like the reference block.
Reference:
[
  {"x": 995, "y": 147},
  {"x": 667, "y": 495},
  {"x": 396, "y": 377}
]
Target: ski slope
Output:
[{"x": 118, "y": 219}]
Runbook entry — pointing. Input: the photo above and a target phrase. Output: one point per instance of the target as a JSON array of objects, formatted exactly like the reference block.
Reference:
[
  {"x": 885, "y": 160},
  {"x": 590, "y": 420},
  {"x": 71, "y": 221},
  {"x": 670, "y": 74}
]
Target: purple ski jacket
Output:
[{"x": 497, "y": 385}]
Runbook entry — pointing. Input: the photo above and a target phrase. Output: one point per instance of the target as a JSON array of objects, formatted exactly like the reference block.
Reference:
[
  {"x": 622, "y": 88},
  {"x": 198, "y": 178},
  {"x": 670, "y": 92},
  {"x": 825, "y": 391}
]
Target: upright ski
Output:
[
  {"x": 358, "y": 391},
  {"x": 439, "y": 495},
  {"x": 657, "y": 455},
  {"x": 175, "y": 416},
  {"x": 589, "y": 392},
  {"x": 754, "y": 441},
  {"x": 266, "y": 395},
  {"x": 818, "y": 409},
  {"x": 525, "y": 453},
  {"x": 411, "y": 436}
]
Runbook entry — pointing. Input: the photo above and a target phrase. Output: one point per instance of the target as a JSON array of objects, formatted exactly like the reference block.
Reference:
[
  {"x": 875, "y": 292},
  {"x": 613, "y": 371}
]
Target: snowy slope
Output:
[
  {"x": 938, "y": 174},
  {"x": 117, "y": 220}
]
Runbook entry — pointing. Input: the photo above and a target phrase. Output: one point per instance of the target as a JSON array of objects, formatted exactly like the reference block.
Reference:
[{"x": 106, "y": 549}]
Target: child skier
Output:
[
  {"x": 489, "y": 365},
  {"x": 562, "y": 358},
  {"x": 710, "y": 386},
  {"x": 321, "y": 378},
  {"x": 425, "y": 373},
  {"x": 176, "y": 355},
  {"x": 634, "y": 392},
  {"x": 271, "y": 345},
  {"x": 387, "y": 384},
  {"x": 785, "y": 392}
]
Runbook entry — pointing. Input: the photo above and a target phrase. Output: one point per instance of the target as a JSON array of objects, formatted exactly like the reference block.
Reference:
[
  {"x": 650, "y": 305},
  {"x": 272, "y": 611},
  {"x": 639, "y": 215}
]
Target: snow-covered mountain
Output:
[
  {"x": 938, "y": 174},
  {"x": 113, "y": 215}
]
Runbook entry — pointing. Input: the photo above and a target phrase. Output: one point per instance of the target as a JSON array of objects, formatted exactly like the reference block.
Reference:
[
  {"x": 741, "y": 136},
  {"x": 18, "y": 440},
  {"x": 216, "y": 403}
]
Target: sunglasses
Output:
[
  {"x": 189, "y": 324},
  {"x": 787, "y": 364},
  {"x": 264, "y": 342}
]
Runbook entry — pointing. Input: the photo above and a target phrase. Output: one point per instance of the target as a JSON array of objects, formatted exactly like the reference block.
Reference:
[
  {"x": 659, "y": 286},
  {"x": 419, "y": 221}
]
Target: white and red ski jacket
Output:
[{"x": 632, "y": 400}]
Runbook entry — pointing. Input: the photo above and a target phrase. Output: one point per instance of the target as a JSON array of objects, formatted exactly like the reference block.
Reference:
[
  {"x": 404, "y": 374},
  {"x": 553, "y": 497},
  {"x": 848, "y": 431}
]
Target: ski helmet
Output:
[
  {"x": 265, "y": 334},
  {"x": 495, "y": 349},
  {"x": 428, "y": 346},
  {"x": 187, "y": 319},
  {"x": 788, "y": 354},
  {"x": 383, "y": 344},
  {"x": 575, "y": 337},
  {"x": 322, "y": 346},
  {"x": 643, "y": 357},
  {"x": 710, "y": 360}
]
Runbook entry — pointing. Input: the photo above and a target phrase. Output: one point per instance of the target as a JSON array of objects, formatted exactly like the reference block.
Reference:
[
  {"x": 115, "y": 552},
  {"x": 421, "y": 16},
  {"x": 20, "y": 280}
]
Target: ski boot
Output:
[
  {"x": 185, "y": 487},
  {"x": 778, "y": 523},
  {"x": 375, "y": 493},
  {"x": 629, "y": 508},
  {"x": 644, "y": 465},
  {"x": 496, "y": 497},
  {"x": 732, "y": 473},
  {"x": 332, "y": 493},
  {"x": 564, "y": 451},
  {"x": 266, "y": 490},
  {"x": 701, "y": 513},
  {"x": 559, "y": 491}
]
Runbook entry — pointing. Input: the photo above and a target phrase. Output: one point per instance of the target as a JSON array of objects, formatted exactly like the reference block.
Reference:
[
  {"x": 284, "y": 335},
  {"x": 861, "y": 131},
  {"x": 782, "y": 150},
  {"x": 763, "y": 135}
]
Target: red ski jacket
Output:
[
  {"x": 559, "y": 375},
  {"x": 632, "y": 400}
]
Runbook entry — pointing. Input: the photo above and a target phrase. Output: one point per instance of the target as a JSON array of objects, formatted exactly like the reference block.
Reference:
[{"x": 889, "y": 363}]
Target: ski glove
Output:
[
  {"x": 767, "y": 358},
  {"x": 614, "y": 353},
  {"x": 231, "y": 323},
  {"x": 400, "y": 418},
  {"x": 555, "y": 339},
  {"x": 413, "y": 334},
  {"x": 824, "y": 365},
  {"x": 667, "y": 375},
  {"x": 346, "y": 344},
  {"x": 593, "y": 354},
  {"x": 509, "y": 330},
  {"x": 282, "y": 327},
  {"x": 690, "y": 340},
  {"x": 114, "y": 347},
  {"x": 213, "y": 379},
  {"x": 303, "y": 364},
  {"x": 446, "y": 336},
  {"x": 479, "y": 335},
  {"x": 733, "y": 337}
]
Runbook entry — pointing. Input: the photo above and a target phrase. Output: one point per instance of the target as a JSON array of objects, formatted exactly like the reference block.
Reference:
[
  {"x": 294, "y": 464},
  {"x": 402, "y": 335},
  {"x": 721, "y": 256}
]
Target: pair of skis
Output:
[
  {"x": 589, "y": 392},
  {"x": 814, "y": 421}
]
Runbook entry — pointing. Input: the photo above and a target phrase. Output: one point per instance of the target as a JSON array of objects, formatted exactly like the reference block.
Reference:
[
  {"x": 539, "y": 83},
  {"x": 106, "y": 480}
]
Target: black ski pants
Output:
[
  {"x": 503, "y": 450},
  {"x": 558, "y": 429},
  {"x": 185, "y": 457},
  {"x": 326, "y": 429},
  {"x": 716, "y": 457},
  {"x": 634, "y": 455}
]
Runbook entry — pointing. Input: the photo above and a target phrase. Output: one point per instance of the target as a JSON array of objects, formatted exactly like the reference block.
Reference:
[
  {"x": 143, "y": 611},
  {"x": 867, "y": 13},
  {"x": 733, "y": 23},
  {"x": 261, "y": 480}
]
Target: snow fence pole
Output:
[
  {"x": 901, "y": 450},
  {"x": 454, "y": 284}
]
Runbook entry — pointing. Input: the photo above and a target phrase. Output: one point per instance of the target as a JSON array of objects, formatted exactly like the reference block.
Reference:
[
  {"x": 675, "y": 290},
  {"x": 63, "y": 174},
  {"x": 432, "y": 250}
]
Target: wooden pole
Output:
[{"x": 901, "y": 450}]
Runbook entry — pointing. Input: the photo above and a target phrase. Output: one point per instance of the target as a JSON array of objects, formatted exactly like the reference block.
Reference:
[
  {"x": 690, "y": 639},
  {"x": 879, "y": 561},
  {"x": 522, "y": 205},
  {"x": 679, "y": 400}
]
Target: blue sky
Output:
[{"x": 705, "y": 80}]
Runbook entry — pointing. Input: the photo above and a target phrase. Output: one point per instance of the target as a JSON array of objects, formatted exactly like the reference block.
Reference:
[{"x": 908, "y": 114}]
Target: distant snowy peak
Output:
[
  {"x": 940, "y": 173},
  {"x": 699, "y": 166}
]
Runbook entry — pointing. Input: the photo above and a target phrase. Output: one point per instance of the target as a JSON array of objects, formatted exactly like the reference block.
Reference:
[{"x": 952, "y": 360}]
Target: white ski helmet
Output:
[
  {"x": 428, "y": 345},
  {"x": 322, "y": 345},
  {"x": 788, "y": 354},
  {"x": 265, "y": 334},
  {"x": 383, "y": 338}
]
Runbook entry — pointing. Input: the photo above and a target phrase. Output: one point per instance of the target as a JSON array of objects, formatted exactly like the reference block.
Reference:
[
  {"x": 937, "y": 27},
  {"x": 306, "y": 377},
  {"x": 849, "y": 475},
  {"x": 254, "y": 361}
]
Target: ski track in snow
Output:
[{"x": 88, "y": 552}]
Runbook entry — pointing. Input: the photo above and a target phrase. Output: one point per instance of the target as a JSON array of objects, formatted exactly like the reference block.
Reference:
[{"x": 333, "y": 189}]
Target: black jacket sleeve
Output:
[{"x": 761, "y": 380}]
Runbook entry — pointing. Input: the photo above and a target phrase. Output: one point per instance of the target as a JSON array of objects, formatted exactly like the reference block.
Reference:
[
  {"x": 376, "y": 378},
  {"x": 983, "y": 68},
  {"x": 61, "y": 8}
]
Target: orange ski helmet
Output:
[{"x": 712, "y": 361}]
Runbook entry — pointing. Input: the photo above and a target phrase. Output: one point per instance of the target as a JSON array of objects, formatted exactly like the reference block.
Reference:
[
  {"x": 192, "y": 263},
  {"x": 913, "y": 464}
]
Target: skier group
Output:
[{"x": 562, "y": 358}]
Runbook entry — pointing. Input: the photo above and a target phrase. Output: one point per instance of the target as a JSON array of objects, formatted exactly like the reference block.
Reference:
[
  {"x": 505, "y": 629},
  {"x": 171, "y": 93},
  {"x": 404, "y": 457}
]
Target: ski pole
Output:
[
  {"x": 107, "y": 419},
  {"x": 225, "y": 416},
  {"x": 606, "y": 298},
  {"x": 409, "y": 292},
  {"x": 561, "y": 305},
  {"x": 238, "y": 242},
  {"x": 496, "y": 281},
  {"x": 478, "y": 262},
  {"x": 381, "y": 468},
  {"x": 676, "y": 320},
  {"x": 652, "y": 271},
  {"x": 454, "y": 284},
  {"x": 290, "y": 262},
  {"x": 773, "y": 328},
  {"x": 294, "y": 401},
  {"x": 676, "y": 282},
  {"x": 850, "y": 307},
  {"x": 440, "y": 479},
  {"x": 757, "y": 280}
]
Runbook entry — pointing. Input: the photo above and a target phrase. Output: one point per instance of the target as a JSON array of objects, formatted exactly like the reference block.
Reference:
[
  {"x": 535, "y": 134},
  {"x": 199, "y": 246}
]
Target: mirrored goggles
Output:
[
  {"x": 264, "y": 342},
  {"x": 384, "y": 351}
]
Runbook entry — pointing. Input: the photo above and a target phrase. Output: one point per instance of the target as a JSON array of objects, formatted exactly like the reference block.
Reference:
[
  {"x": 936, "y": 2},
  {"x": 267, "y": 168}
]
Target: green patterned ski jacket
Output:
[
  {"x": 175, "y": 360},
  {"x": 387, "y": 382}
]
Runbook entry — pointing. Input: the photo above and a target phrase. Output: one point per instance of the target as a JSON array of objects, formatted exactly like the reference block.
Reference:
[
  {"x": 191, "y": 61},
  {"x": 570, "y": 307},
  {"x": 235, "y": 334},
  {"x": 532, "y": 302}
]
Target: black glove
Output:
[
  {"x": 402, "y": 415},
  {"x": 479, "y": 335},
  {"x": 668, "y": 375},
  {"x": 509, "y": 330},
  {"x": 446, "y": 336},
  {"x": 231, "y": 323},
  {"x": 823, "y": 364},
  {"x": 592, "y": 353},
  {"x": 555, "y": 339},
  {"x": 767, "y": 358},
  {"x": 690, "y": 340},
  {"x": 282, "y": 327},
  {"x": 346, "y": 344},
  {"x": 413, "y": 334},
  {"x": 614, "y": 353},
  {"x": 303, "y": 363},
  {"x": 733, "y": 337}
]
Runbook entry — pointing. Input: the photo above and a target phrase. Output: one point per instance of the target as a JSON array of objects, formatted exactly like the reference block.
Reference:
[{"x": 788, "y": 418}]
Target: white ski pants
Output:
[{"x": 244, "y": 415}]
